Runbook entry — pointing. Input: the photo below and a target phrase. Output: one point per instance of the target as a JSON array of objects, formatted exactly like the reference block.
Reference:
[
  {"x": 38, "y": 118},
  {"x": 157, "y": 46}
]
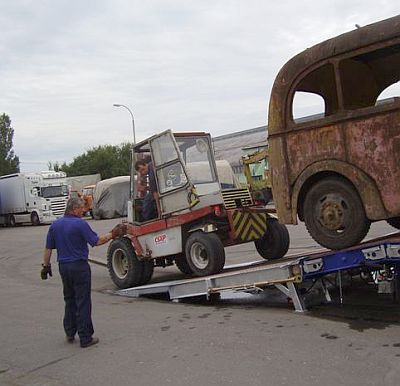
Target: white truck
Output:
[
  {"x": 53, "y": 187},
  {"x": 20, "y": 201}
]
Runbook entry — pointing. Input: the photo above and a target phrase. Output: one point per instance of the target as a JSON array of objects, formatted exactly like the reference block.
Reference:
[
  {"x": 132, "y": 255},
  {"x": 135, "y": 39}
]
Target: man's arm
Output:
[
  {"x": 46, "y": 266},
  {"x": 118, "y": 231},
  {"x": 46, "y": 256},
  {"x": 157, "y": 200},
  {"x": 104, "y": 239}
]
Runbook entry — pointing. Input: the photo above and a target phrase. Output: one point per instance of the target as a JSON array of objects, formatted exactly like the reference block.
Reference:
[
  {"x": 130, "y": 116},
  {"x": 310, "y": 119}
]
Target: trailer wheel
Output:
[
  {"x": 35, "y": 219},
  {"x": 275, "y": 243},
  {"x": 183, "y": 265},
  {"x": 334, "y": 214},
  {"x": 205, "y": 253},
  {"x": 394, "y": 222},
  {"x": 11, "y": 220},
  {"x": 123, "y": 265}
]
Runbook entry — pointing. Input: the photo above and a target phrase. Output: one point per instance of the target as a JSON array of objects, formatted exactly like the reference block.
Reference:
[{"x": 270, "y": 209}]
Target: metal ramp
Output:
[{"x": 285, "y": 274}]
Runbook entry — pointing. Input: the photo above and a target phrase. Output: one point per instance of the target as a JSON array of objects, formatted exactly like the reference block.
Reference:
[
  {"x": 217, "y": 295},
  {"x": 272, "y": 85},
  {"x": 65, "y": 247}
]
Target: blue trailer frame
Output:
[{"x": 288, "y": 274}]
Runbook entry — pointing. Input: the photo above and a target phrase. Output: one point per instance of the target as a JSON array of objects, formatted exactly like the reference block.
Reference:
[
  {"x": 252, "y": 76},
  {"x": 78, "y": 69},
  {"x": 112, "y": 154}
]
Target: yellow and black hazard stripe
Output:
[{"x": 248, "y": 226}]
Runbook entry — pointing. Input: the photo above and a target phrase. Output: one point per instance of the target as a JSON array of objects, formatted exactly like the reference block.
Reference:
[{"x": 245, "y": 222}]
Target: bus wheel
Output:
[
  {"x": 205, "y": 253},
  {"x": 394, "y": 222},
  {"x": 334, "y": 214},
  {"x": 123, "y": 265},
  {"x": 275, "y": 243}
]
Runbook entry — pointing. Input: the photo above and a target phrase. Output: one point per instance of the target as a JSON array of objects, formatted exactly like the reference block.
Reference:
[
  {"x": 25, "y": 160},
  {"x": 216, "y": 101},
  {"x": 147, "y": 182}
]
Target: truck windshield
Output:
[{"x": 54, "y": 191}]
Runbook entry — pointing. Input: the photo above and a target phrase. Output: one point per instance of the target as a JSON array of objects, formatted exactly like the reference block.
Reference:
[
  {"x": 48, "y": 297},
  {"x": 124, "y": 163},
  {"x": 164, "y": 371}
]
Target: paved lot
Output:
[{"x": 243, "y": 341}]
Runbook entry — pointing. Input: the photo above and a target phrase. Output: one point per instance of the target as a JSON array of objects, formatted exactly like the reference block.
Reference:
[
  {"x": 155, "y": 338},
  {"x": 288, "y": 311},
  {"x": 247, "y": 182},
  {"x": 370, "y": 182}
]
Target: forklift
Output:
[{"x": 197, "y": 218}]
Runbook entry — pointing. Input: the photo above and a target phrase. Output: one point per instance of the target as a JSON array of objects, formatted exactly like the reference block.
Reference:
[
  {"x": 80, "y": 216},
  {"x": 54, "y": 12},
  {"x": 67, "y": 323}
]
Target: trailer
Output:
[
  {"x": 293, "y": 274},
  {"x": 20, "y": 201}
]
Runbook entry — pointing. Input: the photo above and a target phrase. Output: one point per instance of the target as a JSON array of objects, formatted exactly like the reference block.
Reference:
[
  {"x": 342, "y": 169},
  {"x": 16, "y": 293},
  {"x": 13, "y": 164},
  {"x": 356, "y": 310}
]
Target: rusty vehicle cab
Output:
[
  {"x": 339, "y": 168},
  {"x": 197, "y": 220}
]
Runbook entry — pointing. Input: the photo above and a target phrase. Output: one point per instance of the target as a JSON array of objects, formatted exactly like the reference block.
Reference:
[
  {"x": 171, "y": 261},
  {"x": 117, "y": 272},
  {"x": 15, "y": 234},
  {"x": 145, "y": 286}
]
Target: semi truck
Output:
[
  {"x": 20, "y": 201},
  {"x": 53, "y": 187}
]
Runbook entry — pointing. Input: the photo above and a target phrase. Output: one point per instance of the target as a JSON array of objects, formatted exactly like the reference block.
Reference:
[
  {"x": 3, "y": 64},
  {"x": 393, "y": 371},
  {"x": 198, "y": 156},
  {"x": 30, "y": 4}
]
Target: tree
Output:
[
  {"x": 9, "y": 162},
  {"x": 108, "y": 160}
]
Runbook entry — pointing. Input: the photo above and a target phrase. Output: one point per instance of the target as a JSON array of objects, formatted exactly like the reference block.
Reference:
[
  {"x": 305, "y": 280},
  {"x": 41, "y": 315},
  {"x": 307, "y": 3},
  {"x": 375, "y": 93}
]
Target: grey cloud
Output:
[{"x": 185, "y": 65}]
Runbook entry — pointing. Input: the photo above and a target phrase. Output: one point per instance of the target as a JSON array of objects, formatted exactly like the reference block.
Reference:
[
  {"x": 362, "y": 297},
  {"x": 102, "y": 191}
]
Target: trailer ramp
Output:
[{"x": 286, "y": 274}]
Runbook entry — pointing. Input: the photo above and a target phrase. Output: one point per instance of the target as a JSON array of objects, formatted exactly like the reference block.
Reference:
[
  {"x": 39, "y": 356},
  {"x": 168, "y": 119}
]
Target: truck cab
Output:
[
  {"x": 54, "y": 189},
  {"x": 197, "y": 217}
]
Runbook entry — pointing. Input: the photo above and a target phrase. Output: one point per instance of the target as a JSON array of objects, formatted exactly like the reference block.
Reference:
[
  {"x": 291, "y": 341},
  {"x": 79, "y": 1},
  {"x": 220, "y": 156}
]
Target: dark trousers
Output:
[
  {"x": 76, "y": 278},
  {"x": 149, "y": 210}
]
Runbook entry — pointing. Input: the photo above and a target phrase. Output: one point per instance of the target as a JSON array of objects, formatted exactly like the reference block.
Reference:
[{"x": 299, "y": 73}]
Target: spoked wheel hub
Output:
[{"x": 332, "y": 213}]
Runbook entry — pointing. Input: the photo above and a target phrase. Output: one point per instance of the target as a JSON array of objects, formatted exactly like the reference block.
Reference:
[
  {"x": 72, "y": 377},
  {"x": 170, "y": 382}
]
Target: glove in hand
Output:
[
  {"x": 118, "y": 231},
  {"x": 46, "y": 271}
]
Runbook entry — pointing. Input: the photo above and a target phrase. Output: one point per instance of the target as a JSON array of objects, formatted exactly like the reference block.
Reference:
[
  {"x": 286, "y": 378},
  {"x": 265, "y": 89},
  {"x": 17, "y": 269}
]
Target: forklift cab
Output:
[{"x": 185, "y": 173}]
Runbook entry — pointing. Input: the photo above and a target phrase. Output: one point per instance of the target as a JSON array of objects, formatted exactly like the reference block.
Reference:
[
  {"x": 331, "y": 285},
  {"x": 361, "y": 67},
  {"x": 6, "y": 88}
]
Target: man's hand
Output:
[
  {"x": 46, "y": 270},
  {"x": 118, "y": 231}
]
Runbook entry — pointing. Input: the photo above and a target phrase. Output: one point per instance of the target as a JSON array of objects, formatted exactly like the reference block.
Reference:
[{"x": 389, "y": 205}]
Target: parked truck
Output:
[
  {"x": 20, "y": 201},
  {"x": 53, "y": 187}
]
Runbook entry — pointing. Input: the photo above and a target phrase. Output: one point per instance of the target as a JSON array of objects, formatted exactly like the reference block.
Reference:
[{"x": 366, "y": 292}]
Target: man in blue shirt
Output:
[{"x": 70, "y": 235}]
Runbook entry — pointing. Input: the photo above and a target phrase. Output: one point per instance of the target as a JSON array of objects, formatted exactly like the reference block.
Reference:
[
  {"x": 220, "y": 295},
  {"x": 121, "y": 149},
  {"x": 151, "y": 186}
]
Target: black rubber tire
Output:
[
  {"x": 148, "y": 270},
  {"x": 205, "y": 253},
  {"x": 334, "y": 214},
  {"x": 123, "y": 266},
  {"x": 11, "y": 221},
  {"x": 394, "y": 222},
  {"x": 183, "y": 265},
  {"x": 35, "y": 219},
  {"x": 275, "y": 243}
]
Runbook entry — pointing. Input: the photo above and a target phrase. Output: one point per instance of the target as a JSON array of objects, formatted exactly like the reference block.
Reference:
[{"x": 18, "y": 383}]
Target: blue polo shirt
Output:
[{"x": 70, "y": 235}]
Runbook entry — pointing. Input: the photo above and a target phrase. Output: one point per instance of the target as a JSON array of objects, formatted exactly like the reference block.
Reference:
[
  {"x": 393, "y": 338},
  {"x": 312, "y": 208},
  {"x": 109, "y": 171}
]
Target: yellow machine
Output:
[{"x": 256, "y": 171}]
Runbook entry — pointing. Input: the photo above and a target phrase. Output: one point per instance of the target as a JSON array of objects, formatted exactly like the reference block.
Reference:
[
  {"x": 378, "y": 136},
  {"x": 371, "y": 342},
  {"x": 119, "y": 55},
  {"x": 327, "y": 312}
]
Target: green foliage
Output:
[
  {"x": 108, "y": 160},
  {"x": 9, "y": 162}
]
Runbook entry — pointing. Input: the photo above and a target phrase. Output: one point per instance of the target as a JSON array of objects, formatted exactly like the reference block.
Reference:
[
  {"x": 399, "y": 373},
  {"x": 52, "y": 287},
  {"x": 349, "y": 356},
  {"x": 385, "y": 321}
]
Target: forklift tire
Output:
[
  {"x": 148, "y": 269},
  {"x": 182, "y": 264},
  {"x": 275, "y": 243},
  {"x": 394, "y": 222},
  {"x": 123, "y": 265},
  {"x": 205, "y": 253}
]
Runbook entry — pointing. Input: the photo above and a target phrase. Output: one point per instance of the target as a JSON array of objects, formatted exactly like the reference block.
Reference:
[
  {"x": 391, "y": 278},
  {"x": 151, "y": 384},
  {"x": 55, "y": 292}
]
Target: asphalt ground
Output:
[{"x": 238, "y": 340}]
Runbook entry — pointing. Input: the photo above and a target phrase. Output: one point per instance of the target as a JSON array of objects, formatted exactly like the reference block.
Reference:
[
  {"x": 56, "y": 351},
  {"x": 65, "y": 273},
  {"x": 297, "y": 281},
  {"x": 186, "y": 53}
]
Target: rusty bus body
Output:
[{"x": 340, "y": 170}]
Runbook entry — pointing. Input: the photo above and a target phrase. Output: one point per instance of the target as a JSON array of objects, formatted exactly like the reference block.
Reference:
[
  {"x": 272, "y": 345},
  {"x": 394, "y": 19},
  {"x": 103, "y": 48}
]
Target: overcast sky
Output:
[{"x": 182, "y": 65}]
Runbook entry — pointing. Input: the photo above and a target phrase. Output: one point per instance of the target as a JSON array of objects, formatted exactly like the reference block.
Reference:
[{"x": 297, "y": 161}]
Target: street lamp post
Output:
[
  {"x": 133, "y": 185},
  {"x": 133, "y": 120}
]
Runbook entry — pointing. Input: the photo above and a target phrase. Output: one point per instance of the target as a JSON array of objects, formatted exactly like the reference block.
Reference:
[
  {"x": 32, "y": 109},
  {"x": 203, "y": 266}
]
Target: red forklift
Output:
[{"x": 199, "y": 215}]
